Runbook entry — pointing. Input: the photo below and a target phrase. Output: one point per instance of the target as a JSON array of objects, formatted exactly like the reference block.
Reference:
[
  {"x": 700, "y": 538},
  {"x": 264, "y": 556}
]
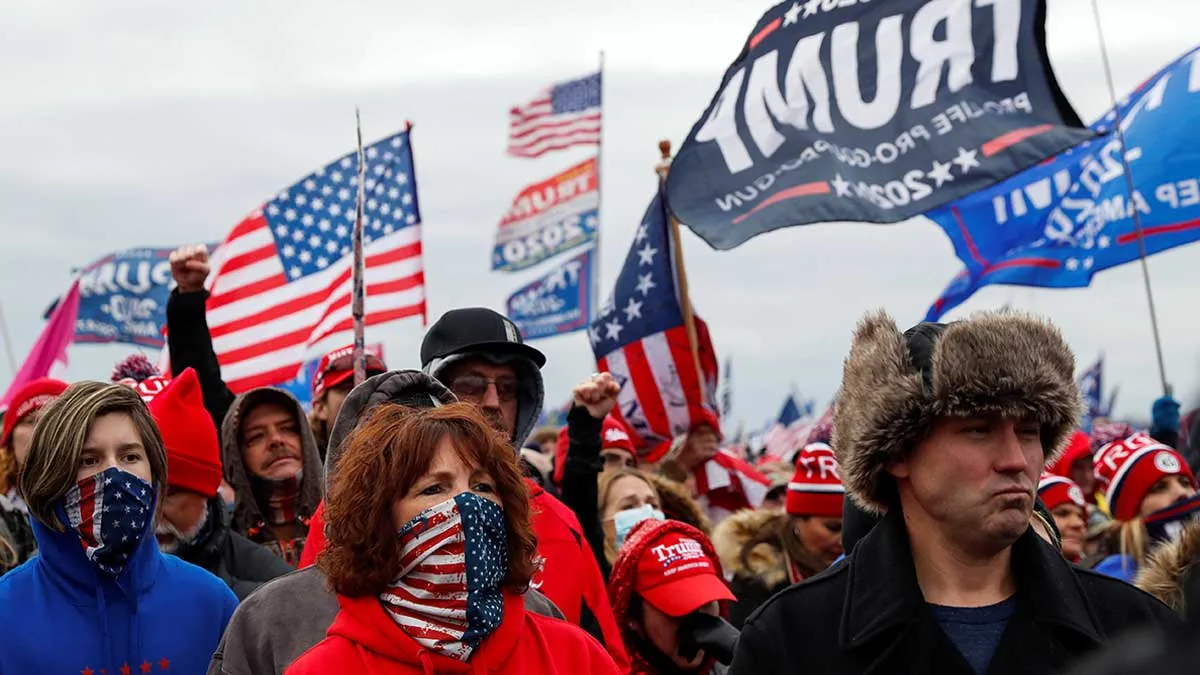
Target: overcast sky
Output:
[{"x": 129, "y": 123}]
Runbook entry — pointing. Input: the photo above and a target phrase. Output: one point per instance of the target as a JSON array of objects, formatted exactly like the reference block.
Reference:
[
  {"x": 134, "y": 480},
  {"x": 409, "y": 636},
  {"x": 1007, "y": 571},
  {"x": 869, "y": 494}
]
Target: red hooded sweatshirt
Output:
[
  {"x": 364, "y": 639},
  {"x": 570, "y": 575}
]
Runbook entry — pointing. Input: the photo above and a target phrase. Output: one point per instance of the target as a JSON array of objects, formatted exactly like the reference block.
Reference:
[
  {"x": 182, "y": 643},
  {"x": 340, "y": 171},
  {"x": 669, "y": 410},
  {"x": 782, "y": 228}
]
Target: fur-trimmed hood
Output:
[
  {"x": 765, "y": 561},
  {"x": 895, "y": 385},
  {"x": 1171, "y": 575}
]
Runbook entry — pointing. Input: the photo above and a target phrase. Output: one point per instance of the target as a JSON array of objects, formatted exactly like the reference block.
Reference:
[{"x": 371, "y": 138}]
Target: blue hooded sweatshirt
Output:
[{"x": 60, "y": 614}]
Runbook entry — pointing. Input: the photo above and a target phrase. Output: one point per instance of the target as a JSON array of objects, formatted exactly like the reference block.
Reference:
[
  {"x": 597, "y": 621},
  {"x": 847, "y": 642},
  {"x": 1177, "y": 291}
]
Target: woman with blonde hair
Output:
[
  {"x": 1139, "y": 476},
  {"x": 430, "y": 548},
  {"x": 93, "y": 480}
]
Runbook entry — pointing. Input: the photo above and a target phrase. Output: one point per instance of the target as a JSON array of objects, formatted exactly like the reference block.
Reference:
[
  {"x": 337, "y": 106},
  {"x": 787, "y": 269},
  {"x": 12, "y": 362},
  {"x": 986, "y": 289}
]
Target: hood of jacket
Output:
[
  {"x": 1171, "y": 572},
  {"x": 363, "y": 621},
  {"x": 412, "y": 388},
  {"x": 530, "y": 396},
  {"x": 246, "y": 512},
  {"x": 765, "y": 561}
]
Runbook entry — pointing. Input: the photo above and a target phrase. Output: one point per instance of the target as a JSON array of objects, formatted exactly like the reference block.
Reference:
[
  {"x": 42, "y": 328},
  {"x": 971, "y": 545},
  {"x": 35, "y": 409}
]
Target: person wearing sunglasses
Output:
[{"x": 481, "y": 357}]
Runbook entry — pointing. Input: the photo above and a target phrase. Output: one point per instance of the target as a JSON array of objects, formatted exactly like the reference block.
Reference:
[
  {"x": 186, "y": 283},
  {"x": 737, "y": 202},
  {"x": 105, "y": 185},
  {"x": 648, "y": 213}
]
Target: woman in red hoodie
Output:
[{"x": 430, "y": 548}]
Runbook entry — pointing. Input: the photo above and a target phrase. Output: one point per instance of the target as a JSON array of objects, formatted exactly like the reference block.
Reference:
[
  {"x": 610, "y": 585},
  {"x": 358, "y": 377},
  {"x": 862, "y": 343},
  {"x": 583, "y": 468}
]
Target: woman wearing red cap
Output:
[
  {"x": 1139, "y": 477},
  {"x": 429, "y": 549},
  {"x": 16, "y": 534},
  {"x": 767, "y": 551},
  {"x": 1064, "y": 500},
  {"x": 667, "y": 573}
]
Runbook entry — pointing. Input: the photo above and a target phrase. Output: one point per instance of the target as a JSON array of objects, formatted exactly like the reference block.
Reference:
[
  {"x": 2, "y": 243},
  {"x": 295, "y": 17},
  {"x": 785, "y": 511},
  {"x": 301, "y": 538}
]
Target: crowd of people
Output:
[{"x": 951, "y": 518}]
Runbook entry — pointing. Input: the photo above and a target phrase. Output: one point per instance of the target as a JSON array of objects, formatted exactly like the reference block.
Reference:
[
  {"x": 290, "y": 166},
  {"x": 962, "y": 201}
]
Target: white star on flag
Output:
[{"x": 966, "y": 159}]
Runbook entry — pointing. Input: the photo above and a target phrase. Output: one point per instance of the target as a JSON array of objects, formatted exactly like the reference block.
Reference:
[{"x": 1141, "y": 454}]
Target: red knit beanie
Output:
[
  {"x": 193, "y": 451},
  {"x": 1056, "y": 490},
  {"x": 816, "y": 487},
  {"x": 612, "y": 435},
  {"x": 1128, "y": 468},
  {"x": 33, "y": 396},
  {"x": 1078, "y": 447}
]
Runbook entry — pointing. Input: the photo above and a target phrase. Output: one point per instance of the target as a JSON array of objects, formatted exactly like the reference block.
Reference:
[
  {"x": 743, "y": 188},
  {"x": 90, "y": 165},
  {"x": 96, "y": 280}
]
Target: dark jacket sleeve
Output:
[
  {"x": 755, "y": 655},
  {"x": 751, "y": 594},
  {"x": 249, "y": 565},
  {"x": 579, "y": 486},
  {"x": 191, "y": 346}
]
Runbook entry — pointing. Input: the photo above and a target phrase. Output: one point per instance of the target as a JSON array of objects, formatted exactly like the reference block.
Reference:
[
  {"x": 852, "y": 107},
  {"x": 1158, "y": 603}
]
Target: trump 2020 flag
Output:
[
  {"x": 549, "y": 218},
  {"x": 1059, "y": 223},
  {"x": 872, "y": 112},
  {"x": 640, "y": 337},
  {"x": 123, "y": 297},
  {"x": 556, "y": 304}
]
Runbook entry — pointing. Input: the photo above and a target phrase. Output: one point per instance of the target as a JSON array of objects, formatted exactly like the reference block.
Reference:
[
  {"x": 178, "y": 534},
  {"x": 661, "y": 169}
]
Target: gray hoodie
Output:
[
  {"x": 530, "y": 396},
  {"x": 287, "y": 616},
  {"x": 247, "y": 514}
]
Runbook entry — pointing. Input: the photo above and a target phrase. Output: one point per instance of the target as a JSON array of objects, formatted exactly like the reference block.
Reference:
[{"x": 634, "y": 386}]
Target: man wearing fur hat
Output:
[{"x": 945, "y": 429}]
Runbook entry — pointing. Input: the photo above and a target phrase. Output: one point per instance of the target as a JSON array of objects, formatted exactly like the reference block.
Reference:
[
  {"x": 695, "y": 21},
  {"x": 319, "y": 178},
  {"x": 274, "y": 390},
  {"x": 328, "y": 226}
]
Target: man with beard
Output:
[
  {"x": 945, "y": 429},
  {"x": 480, "y": 356},
  {"x": 270, "y": 457},
  {"x": 193, "y": 524}
]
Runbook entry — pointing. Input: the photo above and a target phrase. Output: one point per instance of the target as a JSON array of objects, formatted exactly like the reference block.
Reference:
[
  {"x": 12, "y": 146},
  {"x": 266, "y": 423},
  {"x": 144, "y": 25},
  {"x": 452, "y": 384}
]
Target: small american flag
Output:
[
  {"x": 566, "y": 114},
  {"x": 640, "y": 338},
  {"x": 281, "y": 285}
]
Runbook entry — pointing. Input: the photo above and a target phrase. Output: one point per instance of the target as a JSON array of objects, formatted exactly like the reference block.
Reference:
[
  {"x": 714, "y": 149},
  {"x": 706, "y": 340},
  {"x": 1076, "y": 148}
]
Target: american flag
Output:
[
  {"x": 790, "y": 431},
  {"x": 641, "y": 339},
  {"x": 564, "y": 115},
  {"x": 1090, "y": 389},
  {"x": 281, "y": 286},
  {"x": 439, "y": 597},
  {"x": 727, "y": 484},
  {"x": 121, "y": 520}
]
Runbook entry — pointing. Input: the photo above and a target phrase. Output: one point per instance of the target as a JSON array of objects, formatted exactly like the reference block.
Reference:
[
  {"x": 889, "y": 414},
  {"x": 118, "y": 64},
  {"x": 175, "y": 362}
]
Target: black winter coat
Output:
[
  {"x": 866, "y": 615},
  {"x": 239, "y": 562}
]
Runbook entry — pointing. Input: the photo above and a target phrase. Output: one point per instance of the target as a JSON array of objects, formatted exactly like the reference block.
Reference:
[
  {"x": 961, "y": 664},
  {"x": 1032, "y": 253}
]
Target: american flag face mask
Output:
[
  {"x": 453, "y": 557},
  {"x": 109, "y": 511}
]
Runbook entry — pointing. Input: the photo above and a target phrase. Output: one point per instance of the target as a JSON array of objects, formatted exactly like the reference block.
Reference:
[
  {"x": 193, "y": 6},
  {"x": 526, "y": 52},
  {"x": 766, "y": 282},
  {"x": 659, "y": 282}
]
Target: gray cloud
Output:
[{"x": 137, "y": 123}]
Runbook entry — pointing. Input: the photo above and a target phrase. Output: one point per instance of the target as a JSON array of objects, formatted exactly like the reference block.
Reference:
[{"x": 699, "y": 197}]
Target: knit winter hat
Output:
[
  {"x": 33, "y": 396},
  {"x": 896, "y": 385},
  {"x": 150, "y": 387},
  {"x": 816, "y": 487},
  {"x": 1127, "y": 469},
  {"x": 188, "y": 433},
  {"x": 612, "y": 435},
  {"x": 1055, "y": 490},
  {"x": 337, "y": 366},
  {"x": 1078, "y": 447}
]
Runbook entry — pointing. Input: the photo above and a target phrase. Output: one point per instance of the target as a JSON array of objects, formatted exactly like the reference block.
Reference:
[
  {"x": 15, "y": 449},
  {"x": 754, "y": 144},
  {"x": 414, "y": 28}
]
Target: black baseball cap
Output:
[{"x": 475, "y": 329}]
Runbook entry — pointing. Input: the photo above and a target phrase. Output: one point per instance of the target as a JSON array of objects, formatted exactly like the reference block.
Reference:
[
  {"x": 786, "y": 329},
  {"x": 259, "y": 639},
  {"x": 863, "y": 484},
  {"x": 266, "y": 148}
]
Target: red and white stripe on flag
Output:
[
  {"x": 668, "y": 396},
  {"x": 727, "y": 483}
]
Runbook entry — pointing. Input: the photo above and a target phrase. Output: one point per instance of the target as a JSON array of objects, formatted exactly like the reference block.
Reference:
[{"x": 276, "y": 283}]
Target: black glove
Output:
[{"x": 713, "y": 634}]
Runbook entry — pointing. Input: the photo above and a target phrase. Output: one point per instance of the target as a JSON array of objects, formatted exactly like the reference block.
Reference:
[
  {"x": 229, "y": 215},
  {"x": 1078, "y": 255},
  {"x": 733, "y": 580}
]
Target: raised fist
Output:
[
  {"x": 598, "y": 394},
  {"x": 189, "y": 267}
]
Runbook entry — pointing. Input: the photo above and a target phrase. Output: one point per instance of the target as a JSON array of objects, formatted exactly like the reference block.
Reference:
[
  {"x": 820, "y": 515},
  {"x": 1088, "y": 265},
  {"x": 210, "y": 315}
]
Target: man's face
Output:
[
  {"x": 22, "y": 436},
  {"x": 490, "y": 386},
  {"x": 329, "y": 405},
  {"x": 975, "y": 479},
  {"x": 271, "y": 442},
  {"x": 183, "y": 515}
]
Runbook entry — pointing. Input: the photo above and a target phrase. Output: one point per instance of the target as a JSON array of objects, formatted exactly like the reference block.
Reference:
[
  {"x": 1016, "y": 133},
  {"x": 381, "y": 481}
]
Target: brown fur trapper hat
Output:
[{"x": 895, "y": 385}]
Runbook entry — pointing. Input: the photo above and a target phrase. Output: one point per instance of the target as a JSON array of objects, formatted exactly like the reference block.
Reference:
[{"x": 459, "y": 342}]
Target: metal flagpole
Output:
[
  {"x": 357, "y": 303},
  {"x": 1137, "y": 218},
  {"x": 685, "y": 299},
  {"x": 8, "y": 349},
  {"x": 595, "y": 302}
]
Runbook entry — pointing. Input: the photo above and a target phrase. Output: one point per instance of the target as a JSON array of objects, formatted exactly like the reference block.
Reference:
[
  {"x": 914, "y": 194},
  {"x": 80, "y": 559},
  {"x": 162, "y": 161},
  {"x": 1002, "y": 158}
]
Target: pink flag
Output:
[{"x": 48, "y": 358}]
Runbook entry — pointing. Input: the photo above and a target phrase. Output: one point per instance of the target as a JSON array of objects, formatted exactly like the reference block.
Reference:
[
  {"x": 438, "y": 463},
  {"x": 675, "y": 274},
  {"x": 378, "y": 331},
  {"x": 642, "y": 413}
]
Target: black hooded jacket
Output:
[{"x": 239, "y": 562}]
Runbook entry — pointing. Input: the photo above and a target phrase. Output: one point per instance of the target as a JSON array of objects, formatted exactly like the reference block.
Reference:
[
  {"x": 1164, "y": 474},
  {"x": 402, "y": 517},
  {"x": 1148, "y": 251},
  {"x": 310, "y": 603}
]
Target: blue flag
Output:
[
  {"x": 558, "y": 303},
  {"x": 869, "y": 111},
  {"x": 1059, "y": 223},
  {"x": 1091, "y": 383},
  {"x": 123, "y": 297}
]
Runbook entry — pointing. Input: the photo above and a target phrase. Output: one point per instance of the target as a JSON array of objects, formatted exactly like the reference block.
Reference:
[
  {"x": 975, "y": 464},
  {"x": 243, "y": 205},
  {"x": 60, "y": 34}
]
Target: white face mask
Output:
[{"x": 623, "y": 521}]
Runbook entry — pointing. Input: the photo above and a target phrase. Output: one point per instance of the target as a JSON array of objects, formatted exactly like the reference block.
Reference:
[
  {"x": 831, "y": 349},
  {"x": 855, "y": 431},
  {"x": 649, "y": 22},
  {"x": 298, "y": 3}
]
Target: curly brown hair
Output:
[{"x": 381, "y": 461}]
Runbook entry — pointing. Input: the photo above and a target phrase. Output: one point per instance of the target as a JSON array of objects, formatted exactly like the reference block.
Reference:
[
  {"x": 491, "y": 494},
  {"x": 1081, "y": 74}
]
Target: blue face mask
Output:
[
  {"x": 109, "y": 512},
  {"x": 623, "y": 521}
]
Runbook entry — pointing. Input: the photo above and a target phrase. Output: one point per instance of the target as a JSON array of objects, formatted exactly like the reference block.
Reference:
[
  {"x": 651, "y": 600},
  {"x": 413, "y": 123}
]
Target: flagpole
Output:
[
  {"x": 685, "y": 298},
  {"x": 1137, "y": 218},
  {"x": 358, "y": 302},
  {"x": 595, "y": 299},
  {"x": 8, "y": 348}
]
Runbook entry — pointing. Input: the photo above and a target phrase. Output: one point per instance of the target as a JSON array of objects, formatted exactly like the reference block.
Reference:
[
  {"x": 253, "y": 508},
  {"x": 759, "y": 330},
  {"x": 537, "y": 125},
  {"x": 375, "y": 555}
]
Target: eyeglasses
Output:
[{"x": 476, "y": 386}]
